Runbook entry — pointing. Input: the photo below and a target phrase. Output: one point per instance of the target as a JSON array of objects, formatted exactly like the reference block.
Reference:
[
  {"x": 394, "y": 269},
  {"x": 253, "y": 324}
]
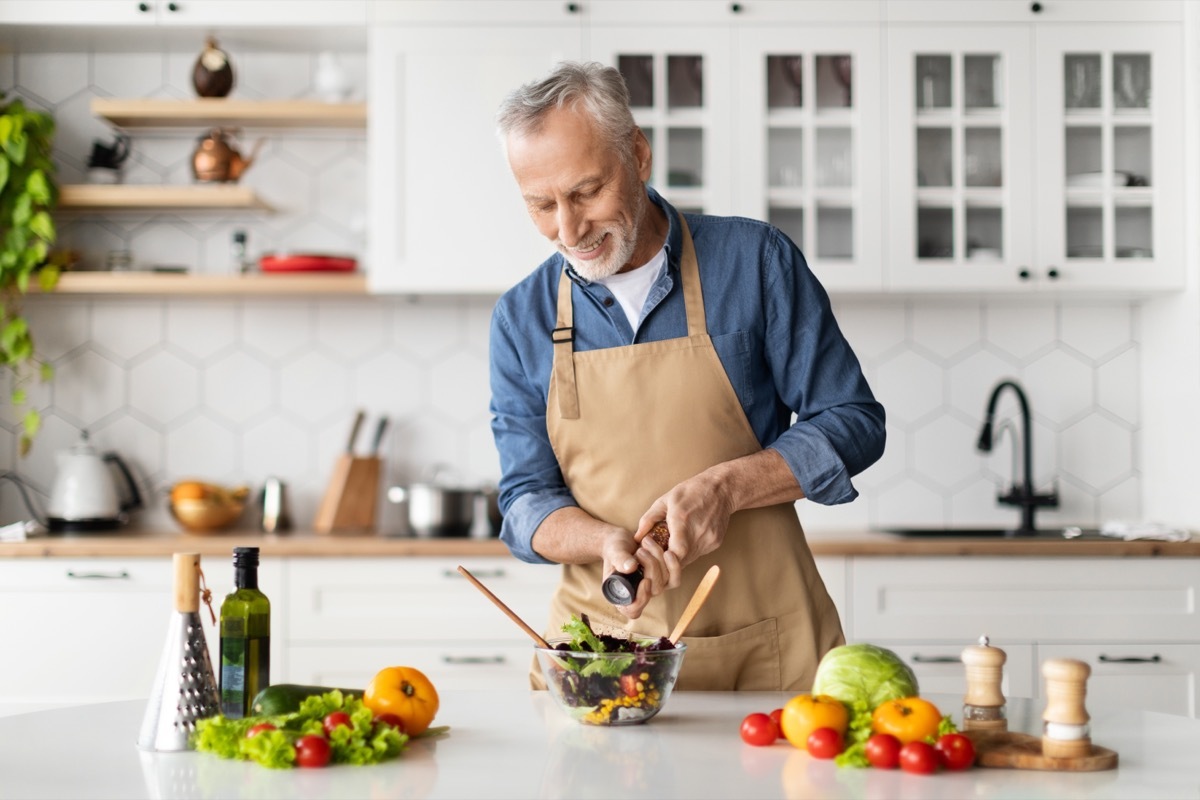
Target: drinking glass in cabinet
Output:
[
  {"x": 985, "y": 233},
  {"x": 685, "y": 81},
  {"x": 638, "y": 72},
  {"x": 981, "y": 82},
  {"x": 1085, "y": 232},
  {"x": 981, "y": 162},
  {"x": 834, "y": 157},
  {"x": 1131, "y": 81},
  {"x": 834, "y": 74},
  {"x": 785, "y": 157},
  {"x": 785, "y": 85},
  {"x": 933, "y": 157},
  {"x": 1083, "y": 156},
  {"x": 1081, "y": 81},
  {"x": 933, "y": 82}
]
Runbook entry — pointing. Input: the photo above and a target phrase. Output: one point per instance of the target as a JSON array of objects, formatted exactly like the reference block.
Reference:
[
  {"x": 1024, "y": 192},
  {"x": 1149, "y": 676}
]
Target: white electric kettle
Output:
[{"x": 84, "y": 496}]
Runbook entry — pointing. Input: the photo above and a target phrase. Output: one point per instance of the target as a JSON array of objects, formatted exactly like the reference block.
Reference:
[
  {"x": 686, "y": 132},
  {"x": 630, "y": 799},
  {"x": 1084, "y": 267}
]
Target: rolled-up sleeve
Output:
[
  {"x": 531, "y": 486},
  {"x": 839, "y": 426}
]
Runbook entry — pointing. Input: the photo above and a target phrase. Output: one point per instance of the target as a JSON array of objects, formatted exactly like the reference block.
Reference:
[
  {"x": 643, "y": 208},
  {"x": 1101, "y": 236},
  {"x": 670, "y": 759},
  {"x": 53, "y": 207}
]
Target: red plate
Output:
[{"x": 306, "y": 262}]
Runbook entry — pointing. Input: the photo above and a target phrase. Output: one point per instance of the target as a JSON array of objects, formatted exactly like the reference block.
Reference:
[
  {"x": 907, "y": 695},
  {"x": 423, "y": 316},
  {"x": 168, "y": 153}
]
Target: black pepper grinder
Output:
[{"x": 620, "y": 588}]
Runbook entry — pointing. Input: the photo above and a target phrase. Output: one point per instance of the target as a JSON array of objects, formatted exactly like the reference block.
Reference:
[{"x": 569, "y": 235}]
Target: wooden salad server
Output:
[{"x": 693, "y": 606}]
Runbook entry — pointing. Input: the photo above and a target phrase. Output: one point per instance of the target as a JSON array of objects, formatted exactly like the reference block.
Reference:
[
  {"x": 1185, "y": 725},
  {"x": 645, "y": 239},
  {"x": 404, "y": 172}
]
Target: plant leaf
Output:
[
  {"x": 46, "y": 372},
  {"x": 32, "y": 422},
  {"x": 42, "y": 225},
  {"x": 6, "y": 129},
  {"x": 16, "y": 146},
  {"x": 19, "y": 397},
  {"x": 3, "y": 170},
  {"x": 38, "y": 187},
  {"x": 22, "y": 209},
  {"x": 48, "y": 278}
]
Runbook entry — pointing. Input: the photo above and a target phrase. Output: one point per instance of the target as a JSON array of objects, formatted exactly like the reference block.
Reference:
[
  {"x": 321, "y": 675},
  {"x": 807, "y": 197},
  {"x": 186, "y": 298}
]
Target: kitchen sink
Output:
[{"x": 999, "y": 533}]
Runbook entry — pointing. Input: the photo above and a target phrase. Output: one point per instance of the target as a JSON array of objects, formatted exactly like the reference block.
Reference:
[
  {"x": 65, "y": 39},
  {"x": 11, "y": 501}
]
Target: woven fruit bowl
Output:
[{"x": 206, "y": 508}]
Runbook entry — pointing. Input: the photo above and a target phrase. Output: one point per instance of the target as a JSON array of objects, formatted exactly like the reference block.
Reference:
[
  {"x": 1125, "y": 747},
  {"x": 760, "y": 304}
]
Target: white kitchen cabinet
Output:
[
  {"x": 809, "y": 158},
  {"x": 939, "y": 668},
  {"x": 1035, "y": 153},
  {"x": 445, "y": 211},
  {"x": 833, "y": 570},
  {"x": 1079, "y": 607},
  {"x": 273, "y": 13},
  {"x": 350, "y": 618},
  {"x": 91, "y": 630}
]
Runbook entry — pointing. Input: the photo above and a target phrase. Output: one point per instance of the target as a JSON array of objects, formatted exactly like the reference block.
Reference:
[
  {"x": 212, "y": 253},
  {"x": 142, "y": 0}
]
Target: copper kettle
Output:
[{"x": 216, "y": 160}]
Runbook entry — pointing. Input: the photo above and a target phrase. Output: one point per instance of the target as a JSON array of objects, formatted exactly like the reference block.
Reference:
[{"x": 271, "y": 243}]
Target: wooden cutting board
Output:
[{"x": 1009, "y": 750}]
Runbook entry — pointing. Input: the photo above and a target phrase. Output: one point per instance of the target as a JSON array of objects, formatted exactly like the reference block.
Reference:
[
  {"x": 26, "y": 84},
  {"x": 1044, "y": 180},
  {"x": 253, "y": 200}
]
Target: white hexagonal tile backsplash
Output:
[{"x": 236, "y": 389}]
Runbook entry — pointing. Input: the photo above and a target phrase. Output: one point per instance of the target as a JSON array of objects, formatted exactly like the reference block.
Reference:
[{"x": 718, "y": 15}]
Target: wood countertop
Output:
[{"x": 307, "y": 544}]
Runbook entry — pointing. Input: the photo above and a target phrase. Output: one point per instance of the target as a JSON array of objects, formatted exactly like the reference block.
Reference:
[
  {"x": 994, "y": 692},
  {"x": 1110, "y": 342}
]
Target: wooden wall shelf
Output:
[
  {"x": 149, "y": 113},
  {"x": 157, "y": 283},
  {"x": 122, "y": 197}
]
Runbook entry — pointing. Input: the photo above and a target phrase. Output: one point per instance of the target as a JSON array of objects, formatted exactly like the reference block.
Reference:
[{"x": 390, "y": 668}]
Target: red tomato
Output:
[
  {"x": 883, "y": 751},
  {"x": 777, "y": 717},
  {"x": 259, "y": 728},
  {"x": 759, "y": 730},
  {"x": 824, "y": 743},
  {"x": 955, "y": 751},
  {"x": 336, "y": 718},
  {"x": 312, "y": 751},
  {"x": 919, "y": 758},
  {"x": 390, "y": 719}
]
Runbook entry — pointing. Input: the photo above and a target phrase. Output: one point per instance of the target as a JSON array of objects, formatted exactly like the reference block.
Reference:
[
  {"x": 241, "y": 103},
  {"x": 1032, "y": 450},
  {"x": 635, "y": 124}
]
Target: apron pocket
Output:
[{"x": 745, "y": 660}]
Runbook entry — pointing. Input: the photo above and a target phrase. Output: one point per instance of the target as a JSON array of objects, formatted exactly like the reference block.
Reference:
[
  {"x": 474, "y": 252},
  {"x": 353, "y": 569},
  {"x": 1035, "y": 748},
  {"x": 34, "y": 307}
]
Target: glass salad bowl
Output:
[{"x": 613, "y": 688}]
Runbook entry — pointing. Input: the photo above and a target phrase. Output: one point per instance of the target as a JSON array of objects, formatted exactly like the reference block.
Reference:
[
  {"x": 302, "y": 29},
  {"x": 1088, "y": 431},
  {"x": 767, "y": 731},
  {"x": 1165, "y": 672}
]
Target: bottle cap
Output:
[{"x": 245, "y": 557}]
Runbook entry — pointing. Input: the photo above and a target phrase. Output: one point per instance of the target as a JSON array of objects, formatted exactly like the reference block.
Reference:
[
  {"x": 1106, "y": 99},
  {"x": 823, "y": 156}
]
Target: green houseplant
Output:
[{"x": 28, "y": 196}]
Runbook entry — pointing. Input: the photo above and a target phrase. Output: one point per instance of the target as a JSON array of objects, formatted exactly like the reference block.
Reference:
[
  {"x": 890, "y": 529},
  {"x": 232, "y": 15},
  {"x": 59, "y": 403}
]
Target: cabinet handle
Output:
[
  {"x": 1036, "y": 8},
  {"x": 172, "y": 6},
  {"x": 1052, "y": 273},
  {"x": 478, "y": 573},
  {"x": 1154, "y": 659},
  {"x": 473, "y": 659},
  {"x": 1023, "y": 274},
  {"x": 572, "y": 8},
  {"x": 736, "y": 8},
  {"x": 143, "y": 7},
  {"x": 123, "y": 575},
  {"x": 920, "y": 659}
]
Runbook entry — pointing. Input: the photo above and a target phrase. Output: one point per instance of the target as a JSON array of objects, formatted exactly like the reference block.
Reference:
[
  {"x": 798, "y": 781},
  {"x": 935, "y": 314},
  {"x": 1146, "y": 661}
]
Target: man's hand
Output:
[{"x": 620, "y": 553}]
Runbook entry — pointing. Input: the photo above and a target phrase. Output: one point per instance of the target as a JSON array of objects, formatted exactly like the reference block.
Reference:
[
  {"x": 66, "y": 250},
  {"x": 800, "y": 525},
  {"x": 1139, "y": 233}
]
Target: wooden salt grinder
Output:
[
  {"x": 983, "y": 704},
  {"x": 1066, "y": 687}
]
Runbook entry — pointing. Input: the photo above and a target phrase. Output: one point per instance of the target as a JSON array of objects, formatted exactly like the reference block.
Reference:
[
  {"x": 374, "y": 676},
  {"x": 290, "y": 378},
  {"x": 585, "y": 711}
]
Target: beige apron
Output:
[{"x": 627, "y": 424}]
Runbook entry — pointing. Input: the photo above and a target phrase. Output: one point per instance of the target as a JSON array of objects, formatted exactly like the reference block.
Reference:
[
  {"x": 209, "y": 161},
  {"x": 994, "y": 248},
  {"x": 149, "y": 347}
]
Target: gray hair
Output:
[{"x": 596, "y": 89}]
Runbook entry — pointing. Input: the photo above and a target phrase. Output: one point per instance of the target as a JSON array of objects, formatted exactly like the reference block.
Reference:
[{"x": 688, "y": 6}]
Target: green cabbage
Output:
[{"x": 864, "y": 673}]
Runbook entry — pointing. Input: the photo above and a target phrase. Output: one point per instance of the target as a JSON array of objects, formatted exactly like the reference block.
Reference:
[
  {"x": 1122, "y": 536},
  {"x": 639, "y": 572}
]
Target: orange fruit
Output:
[
  {"x": 909, "y": 719},
  {"x": 188, "y": 490},
  {"x": 804, "y": 713}
]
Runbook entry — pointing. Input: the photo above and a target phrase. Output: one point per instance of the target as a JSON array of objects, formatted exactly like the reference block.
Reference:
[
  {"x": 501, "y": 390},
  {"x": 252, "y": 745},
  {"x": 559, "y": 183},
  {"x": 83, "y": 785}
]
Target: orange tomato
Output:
[
  {"x": 405, "y": 692},
  {"x": 909, "y": 719},
  {"x": 804, "y": 713}
]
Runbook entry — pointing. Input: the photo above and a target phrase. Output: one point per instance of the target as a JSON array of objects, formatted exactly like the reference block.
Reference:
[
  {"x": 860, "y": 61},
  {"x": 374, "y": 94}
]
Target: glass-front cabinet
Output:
[
  {"x": 809, "y": 160},
  {"x": 1030, "y": 156},
  {"x": 679, "y": 89}
]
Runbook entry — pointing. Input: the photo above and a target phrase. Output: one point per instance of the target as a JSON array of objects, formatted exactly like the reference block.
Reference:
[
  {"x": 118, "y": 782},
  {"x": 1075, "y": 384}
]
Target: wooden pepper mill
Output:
[
  {"x": 983, "y": 704},
  {"x": 1065, "y": 733}
]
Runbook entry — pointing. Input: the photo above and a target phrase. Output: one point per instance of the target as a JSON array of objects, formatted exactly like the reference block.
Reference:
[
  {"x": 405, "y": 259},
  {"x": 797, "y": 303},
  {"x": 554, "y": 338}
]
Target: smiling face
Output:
[{"x": 584, "y": 197}]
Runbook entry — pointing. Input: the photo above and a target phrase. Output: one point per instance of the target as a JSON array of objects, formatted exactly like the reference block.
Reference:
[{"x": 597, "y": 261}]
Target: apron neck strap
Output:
[
  {"x": 689, "y": 275},
  {"x": 563, "y": 337}
]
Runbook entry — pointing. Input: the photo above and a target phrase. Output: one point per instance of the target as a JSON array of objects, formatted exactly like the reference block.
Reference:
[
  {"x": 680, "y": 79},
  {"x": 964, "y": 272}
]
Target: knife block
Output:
[{"x": 351, "y": 498}]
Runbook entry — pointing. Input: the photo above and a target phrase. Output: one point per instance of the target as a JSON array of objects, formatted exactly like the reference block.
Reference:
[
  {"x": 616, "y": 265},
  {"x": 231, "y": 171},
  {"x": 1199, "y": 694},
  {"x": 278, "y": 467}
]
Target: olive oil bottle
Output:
[{"x": 245, "y": 637}]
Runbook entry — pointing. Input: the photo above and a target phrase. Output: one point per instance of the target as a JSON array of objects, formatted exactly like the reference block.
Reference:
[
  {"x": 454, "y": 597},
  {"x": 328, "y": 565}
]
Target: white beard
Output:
[{"x": 624, "y": 243}]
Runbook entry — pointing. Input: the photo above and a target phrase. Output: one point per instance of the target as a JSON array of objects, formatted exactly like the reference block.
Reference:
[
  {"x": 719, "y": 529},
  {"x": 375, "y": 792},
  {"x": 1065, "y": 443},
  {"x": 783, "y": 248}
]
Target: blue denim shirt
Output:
[{"x": 770, "y": 323}]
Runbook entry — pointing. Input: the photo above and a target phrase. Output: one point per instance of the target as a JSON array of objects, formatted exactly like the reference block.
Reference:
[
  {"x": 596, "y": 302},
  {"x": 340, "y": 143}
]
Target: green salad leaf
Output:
[
  {"x": 582, "y": 637},
  {"x": 363, "y": 742}
]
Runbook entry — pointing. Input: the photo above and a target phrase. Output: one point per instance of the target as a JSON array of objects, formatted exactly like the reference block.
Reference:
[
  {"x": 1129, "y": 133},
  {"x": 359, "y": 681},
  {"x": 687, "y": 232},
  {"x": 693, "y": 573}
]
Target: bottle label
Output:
[{"x": 233, "y": 677}]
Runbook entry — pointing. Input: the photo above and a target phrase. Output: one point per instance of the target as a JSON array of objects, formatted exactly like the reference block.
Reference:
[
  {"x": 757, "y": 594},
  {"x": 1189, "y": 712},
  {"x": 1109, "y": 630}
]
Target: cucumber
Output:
[{"x": 285, "y": 698}]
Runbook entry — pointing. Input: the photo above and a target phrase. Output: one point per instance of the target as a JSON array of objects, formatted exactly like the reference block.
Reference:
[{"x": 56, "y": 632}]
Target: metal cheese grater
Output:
[{"x": 185, "y": 689}]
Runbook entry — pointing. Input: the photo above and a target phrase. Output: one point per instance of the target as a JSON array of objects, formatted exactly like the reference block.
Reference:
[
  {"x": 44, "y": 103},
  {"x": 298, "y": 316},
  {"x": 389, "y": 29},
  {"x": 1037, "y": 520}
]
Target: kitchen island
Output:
[{"x": 517, "y": 744}]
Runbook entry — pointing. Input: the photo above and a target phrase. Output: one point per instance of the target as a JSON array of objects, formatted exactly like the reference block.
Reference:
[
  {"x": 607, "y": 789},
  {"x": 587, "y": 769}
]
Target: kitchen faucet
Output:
[{"x": 1021, "y": 495}]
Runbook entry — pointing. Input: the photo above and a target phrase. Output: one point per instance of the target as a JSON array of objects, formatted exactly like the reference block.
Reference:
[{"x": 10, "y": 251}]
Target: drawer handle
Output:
[
  {"x": 1154, "y": 659},
  {"x": 473, "y": 660},
  {"x": 478, "y": 573},
  {"x": 123, "y": 575},
  {"x": 920, "y": 659}
]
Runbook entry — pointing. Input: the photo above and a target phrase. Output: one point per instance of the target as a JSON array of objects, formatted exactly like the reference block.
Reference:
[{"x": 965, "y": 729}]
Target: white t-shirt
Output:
[{"x": 632, "y": 288}]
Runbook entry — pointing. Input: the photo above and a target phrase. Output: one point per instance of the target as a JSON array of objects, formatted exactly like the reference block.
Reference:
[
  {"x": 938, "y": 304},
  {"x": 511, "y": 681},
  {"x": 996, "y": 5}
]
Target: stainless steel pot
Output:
[{"x": 436, "y": 511}]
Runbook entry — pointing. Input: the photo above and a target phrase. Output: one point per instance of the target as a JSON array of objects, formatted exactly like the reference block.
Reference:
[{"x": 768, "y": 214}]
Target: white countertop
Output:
[{"x": 519, "y": 745}]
